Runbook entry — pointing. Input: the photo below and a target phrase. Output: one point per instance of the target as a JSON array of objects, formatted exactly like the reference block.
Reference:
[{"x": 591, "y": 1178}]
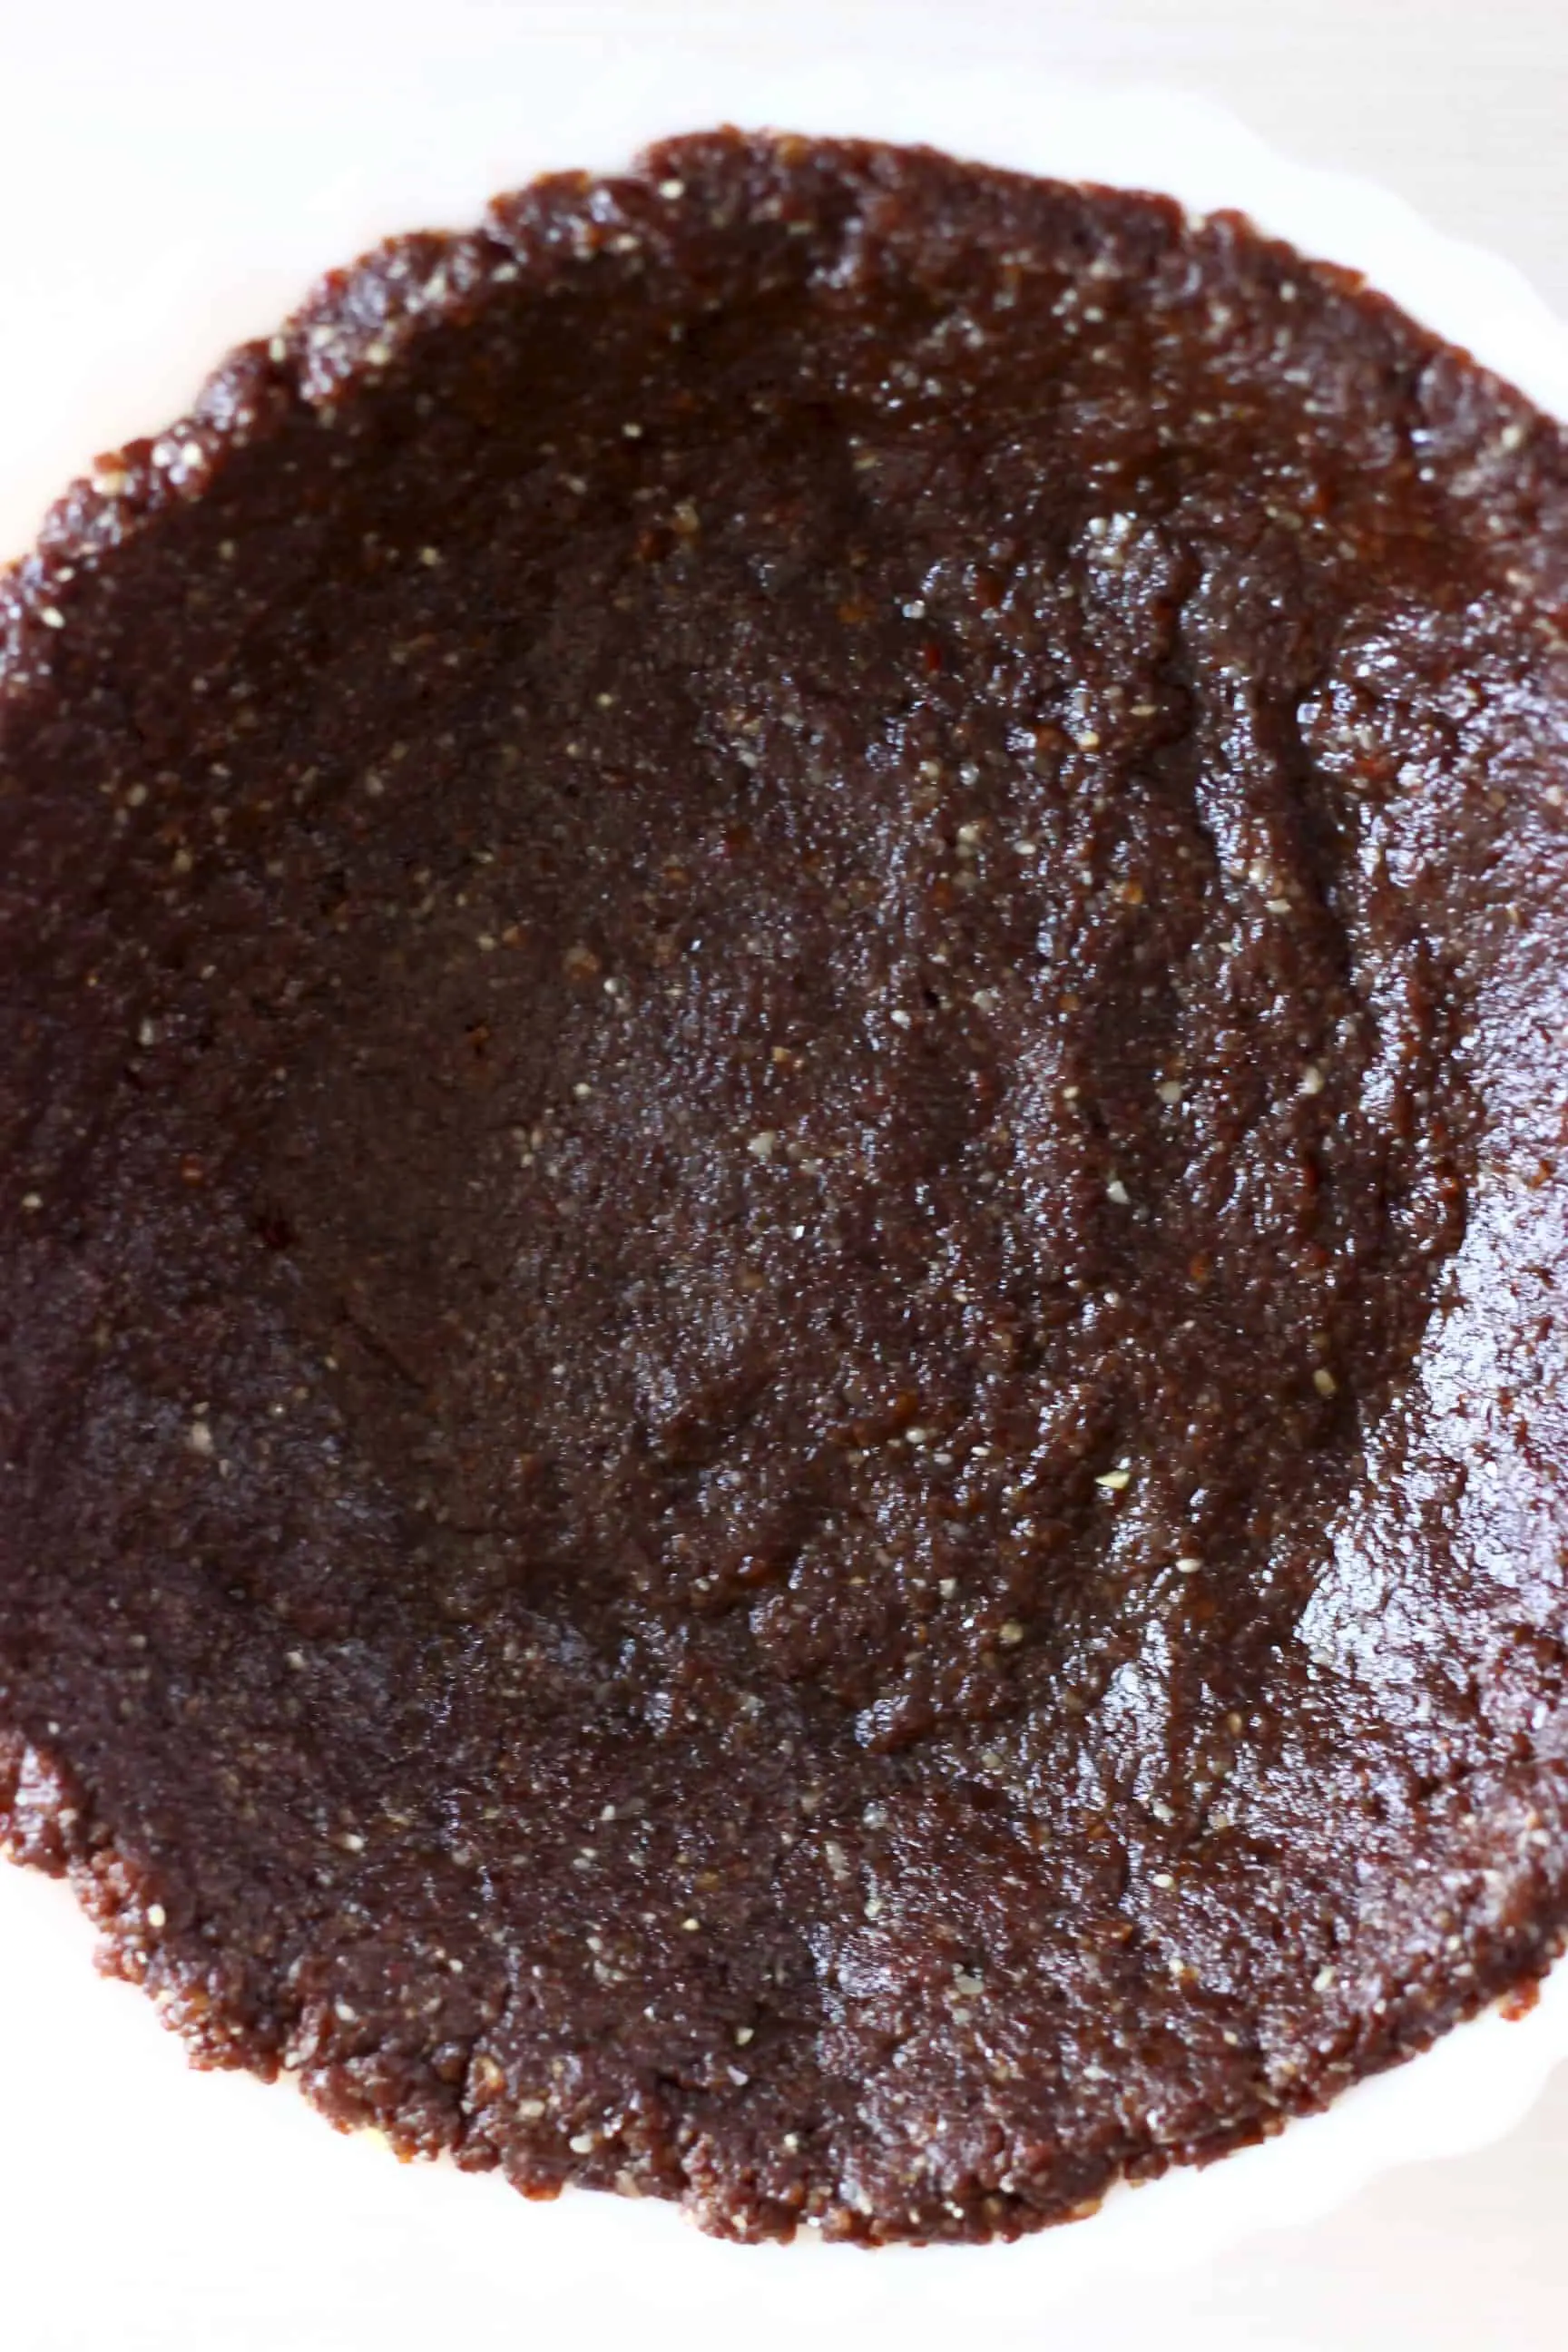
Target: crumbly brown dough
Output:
[{"x": 781, "y": 1115}]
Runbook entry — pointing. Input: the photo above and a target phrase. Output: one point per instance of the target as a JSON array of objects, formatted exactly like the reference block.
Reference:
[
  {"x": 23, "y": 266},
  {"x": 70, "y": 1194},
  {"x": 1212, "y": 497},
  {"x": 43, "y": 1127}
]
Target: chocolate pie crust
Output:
[{"x": 782, "y": 1120}]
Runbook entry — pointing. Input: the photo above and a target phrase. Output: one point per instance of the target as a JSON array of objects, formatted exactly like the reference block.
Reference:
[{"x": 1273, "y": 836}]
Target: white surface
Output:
[{"x": 194, "y": 190}]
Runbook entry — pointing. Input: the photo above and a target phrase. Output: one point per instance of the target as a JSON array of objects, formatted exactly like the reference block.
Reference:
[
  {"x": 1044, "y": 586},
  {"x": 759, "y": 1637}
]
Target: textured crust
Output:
[{"x": 1015, "y": 1942}]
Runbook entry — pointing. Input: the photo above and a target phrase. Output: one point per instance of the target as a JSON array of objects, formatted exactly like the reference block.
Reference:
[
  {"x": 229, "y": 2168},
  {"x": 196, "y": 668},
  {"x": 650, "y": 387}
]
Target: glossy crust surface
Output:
[{"x": 782, "y": 1125}]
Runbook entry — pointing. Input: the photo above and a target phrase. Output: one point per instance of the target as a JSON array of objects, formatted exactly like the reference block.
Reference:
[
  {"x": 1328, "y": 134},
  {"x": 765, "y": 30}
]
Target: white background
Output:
[{"x": 1462, "y": 108}]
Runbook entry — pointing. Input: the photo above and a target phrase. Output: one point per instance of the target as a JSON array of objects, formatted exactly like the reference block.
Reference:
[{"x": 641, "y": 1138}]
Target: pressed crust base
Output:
[{"x": 781, "y": 1091}]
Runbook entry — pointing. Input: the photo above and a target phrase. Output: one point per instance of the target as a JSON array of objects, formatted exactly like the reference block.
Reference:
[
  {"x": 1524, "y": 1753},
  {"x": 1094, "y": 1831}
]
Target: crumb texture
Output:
[{"x": 782, "y": 1011}]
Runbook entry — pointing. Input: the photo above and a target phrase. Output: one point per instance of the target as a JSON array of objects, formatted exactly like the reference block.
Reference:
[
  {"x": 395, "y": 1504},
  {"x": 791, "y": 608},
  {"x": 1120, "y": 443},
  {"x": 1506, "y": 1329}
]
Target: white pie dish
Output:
[{"x": 143, "y": 2137}]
